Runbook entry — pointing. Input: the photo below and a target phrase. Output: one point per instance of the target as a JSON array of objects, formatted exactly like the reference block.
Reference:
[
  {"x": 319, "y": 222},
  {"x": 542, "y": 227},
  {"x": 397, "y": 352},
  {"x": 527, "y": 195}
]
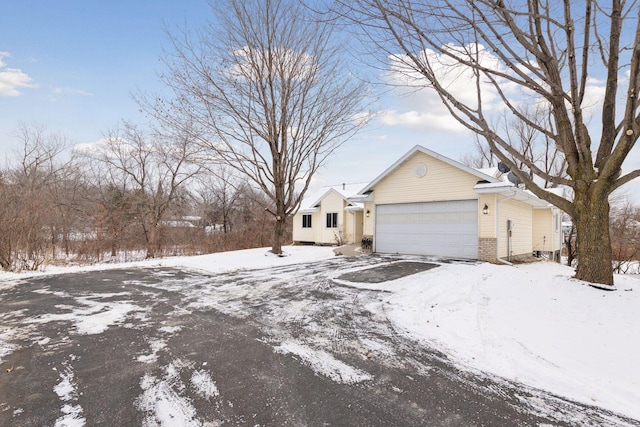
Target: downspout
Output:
[{"x": 504, "y": 261}]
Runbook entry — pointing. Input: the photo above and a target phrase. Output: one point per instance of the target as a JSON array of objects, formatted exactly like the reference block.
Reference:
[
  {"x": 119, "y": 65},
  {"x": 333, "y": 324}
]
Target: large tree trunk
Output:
[
  {"x": 593, "y": 239},
  {"x": 5, "y": 257},
  {"x": 152, "y": 241},
  {"x": 278, "y": 234},
  {"x": 114, "y": 247}
]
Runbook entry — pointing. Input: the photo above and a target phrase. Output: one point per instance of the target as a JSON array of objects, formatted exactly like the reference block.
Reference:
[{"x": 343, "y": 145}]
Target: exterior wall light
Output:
[
  {"x": 485, "y": 210},
  {"x": 368, "y": 212}
]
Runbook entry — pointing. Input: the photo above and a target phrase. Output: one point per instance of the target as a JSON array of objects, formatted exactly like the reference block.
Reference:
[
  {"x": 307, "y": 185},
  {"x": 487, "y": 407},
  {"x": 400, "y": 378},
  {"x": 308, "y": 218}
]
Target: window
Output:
[
  {"x": 306, "y": 221},
  {"x": 332, "y": 220}
]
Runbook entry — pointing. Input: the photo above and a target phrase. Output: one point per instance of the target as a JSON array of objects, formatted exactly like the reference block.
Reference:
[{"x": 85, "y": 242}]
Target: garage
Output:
[{"x": 443, "y": 228}]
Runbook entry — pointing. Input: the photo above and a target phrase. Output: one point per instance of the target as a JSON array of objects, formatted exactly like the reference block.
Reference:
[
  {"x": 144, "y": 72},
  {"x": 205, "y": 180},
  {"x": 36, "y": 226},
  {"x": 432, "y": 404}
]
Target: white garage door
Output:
[{"x": 448, "y": 229}]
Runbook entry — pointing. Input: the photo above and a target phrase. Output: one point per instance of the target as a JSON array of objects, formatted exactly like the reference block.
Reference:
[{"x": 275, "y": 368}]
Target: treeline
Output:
[{"x": 134, "y": 195}]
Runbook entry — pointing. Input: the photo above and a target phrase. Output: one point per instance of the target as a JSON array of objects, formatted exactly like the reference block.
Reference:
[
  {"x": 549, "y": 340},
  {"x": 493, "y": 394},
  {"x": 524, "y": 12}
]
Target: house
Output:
[
  {"x": 428, "y": 204},
  {"x": 327, "y": 217}
]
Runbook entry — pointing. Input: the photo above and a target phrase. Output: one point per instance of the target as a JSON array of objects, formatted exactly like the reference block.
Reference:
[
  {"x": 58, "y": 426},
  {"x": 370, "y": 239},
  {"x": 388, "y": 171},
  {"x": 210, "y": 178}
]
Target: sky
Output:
[
  {"x": 72, "y": 66},
  {"x": 75, "y": 64}
]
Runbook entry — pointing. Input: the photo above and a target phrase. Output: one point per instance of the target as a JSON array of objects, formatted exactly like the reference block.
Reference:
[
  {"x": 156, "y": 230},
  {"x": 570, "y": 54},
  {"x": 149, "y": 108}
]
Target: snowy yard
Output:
[{"x": 531, "y": 323}]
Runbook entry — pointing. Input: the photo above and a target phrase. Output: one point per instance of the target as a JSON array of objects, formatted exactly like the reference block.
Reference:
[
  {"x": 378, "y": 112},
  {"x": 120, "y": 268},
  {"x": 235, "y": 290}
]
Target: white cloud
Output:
[
  {"x": 11, "y": 79},
  {"x": 422, "y": 120},
  {"x": 418, "y": 106},
  {"x": 70, "y": 90},
  {"x": 100, "y": 147}
]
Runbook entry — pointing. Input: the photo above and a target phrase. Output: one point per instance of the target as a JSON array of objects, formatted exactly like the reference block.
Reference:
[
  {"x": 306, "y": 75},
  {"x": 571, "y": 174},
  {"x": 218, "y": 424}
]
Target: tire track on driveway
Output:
[{"x": 277, "y": 346}]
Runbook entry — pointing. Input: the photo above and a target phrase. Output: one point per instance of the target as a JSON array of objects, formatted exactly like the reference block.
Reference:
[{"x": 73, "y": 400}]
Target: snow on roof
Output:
[
  {"x": 310, "y": 203},
  {"x": 500, "y": 184},
  {"x": 511, "y": 191},
  {"x": 355, "y": 206},
  {"x": 491, "y": 171}
]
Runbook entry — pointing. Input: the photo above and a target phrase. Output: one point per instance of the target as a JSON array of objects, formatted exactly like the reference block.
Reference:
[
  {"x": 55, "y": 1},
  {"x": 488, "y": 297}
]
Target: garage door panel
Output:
[{"x": 431, "y": 228}]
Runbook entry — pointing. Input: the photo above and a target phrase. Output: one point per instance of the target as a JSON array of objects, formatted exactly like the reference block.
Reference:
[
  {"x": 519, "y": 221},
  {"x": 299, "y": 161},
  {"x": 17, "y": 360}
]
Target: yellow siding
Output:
[
  {"x": 521, "y": 215},
  {"x": 558, "y": 238},
  {"x": 317, "y": 224},
  {"x": 542, "y": 230},
  {"x": 441, "y": 182},
  {"x": 547, "y": 229},
  {"x": 331, "y": 203},
  {"x": 487, "y": 223},
  {"x": 304, "y": 234},
  {"x": 357, "y": 236},
  {"x": 368, "y": 220},
  {"x": 353, "y": 226},
  {"x": 349, "y": 223}
]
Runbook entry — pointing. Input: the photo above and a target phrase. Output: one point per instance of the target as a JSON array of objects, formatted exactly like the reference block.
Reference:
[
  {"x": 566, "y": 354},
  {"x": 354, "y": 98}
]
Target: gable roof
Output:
[
  {"x": 419, "y": 148},
  {"x": 488, "y": 183},
  {"x": 310, "y": 203}
]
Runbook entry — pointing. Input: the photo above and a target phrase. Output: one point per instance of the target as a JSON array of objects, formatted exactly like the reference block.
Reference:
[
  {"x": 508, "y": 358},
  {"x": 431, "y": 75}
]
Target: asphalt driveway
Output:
[{"x": 272, "y": 347}]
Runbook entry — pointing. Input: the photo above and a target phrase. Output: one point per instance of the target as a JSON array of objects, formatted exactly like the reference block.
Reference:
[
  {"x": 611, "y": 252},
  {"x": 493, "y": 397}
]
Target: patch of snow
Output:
[
  {"x": 247, "y": 259},
  {"x": 44, "y": 341},
  {"x": 67, "y": 391},
  {"x": 377, "y": 347},
  {"x": 72, "y": 417},
  {"x": 99, "y": 316},
  {"x": 531, "y": 323},
  {"x": 323, "y": 363},
  {"x": 163, "y": 406},
  {"x": 95, "y": 318},
  {"x": 170, "y": 329},
  {"x": 7, "y": 346},
  {"x": 156, "y": 346},
  {"x": 163, "y": 400},
  {"x": 541, "y": 404},
  {"x": 204, "y": 385}
]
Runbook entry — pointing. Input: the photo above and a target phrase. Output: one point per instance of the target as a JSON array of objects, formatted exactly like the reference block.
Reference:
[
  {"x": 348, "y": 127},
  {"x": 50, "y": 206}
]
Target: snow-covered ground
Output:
[{"x": 530, "y": 323}]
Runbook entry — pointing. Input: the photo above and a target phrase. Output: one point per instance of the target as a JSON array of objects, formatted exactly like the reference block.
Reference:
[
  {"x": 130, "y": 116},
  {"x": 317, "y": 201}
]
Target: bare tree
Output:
[
  {"x": 220, "y": 193},
  {"x": 536, "y": 148},
  {"x": 270, "y": 92},
  {"x": 625, "y": 237},
  {"x": 481, "y": 158},
  {"x": 27, "y": 208},
  {"x": 149, "y": 170},
  {"x": 516, "y": 54}
]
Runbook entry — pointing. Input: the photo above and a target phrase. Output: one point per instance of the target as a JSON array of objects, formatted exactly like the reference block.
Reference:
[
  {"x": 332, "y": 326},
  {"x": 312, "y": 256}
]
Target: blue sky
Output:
[
  {"x": 83, "y": 59},
  {"x": 72, "y": 66},
  {"x": 79, "y": 61}
]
